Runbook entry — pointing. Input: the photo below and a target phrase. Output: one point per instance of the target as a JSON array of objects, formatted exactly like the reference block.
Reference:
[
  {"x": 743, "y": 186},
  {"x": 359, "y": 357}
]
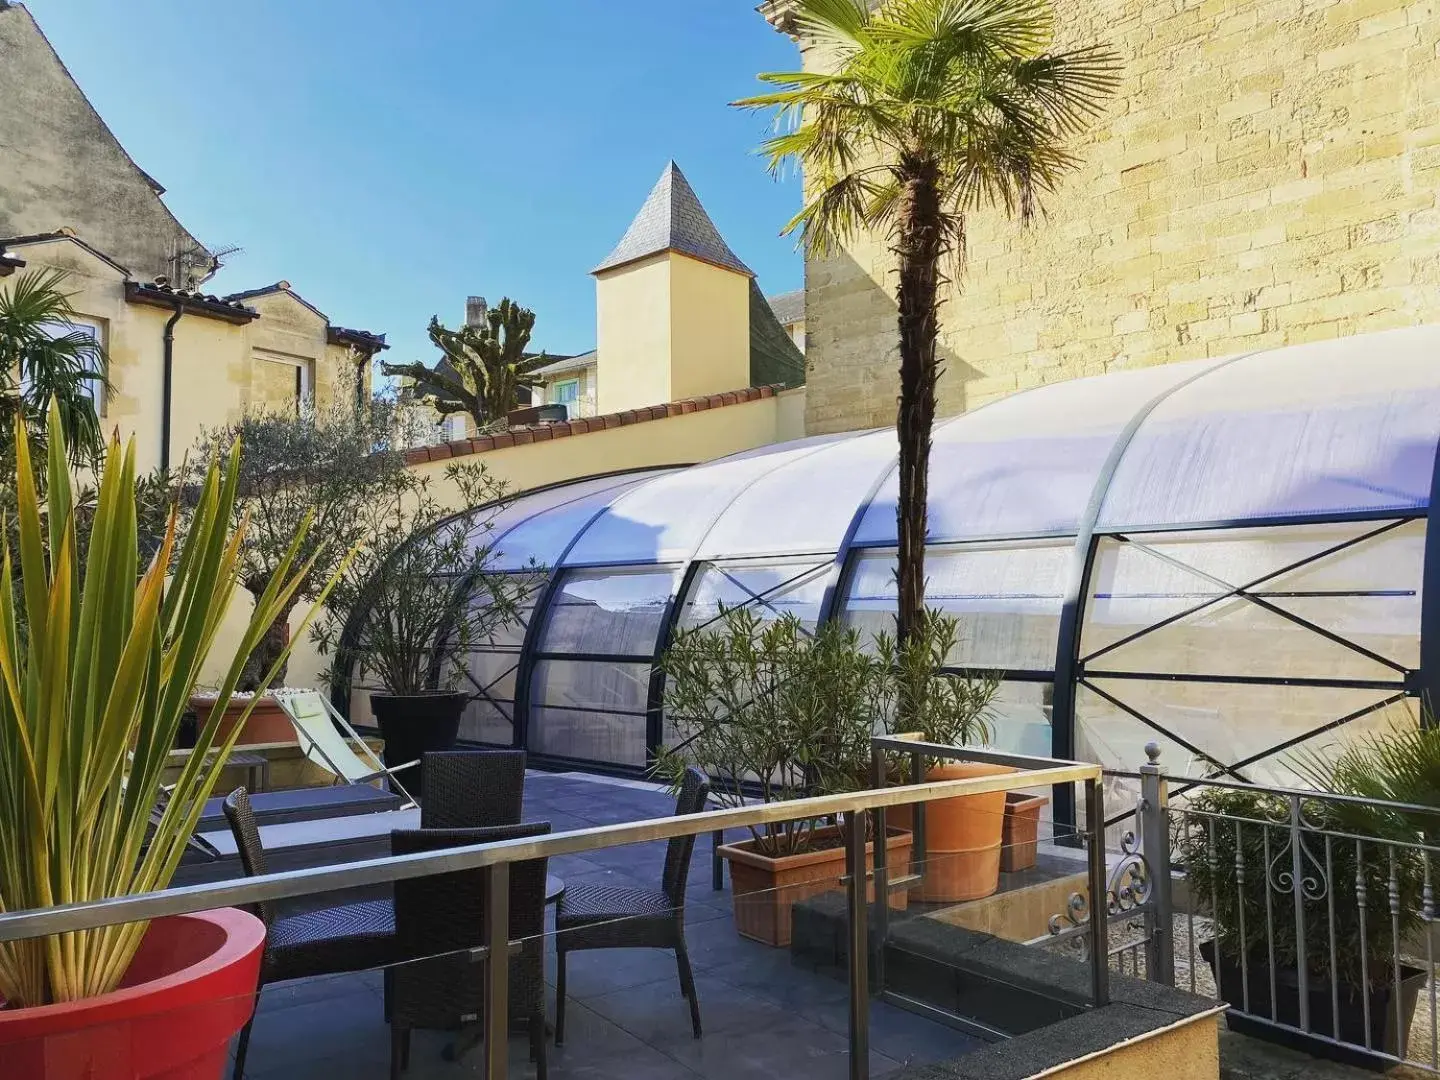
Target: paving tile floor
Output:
[{"x": 625, "y": 1017}]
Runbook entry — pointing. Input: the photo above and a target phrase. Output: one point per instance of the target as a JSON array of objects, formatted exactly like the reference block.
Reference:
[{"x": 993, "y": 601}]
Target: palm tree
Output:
[
  {"x": 44, "y": 355},
  {"x": 934, "y": 109},
  {"x": 483, "y": 365}
]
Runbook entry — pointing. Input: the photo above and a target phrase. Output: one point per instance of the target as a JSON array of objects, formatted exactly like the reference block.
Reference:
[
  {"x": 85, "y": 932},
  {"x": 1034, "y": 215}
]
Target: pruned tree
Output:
[
  {"x": 483, "y": 367},
  {"x": 325, "y": 469}
]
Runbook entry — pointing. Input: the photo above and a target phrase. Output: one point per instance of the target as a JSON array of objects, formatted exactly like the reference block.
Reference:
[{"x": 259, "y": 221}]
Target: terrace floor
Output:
[{"x": 763, "y": 1017}]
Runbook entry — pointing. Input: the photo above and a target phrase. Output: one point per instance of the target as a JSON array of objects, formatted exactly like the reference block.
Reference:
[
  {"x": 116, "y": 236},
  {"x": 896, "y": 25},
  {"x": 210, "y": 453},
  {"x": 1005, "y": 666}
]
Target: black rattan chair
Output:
[
  {"x": 442, "y": 918},
  {"x": 607, "y": 917},
  {"x": 472, "y": 789},
  {"x": 350, "y": 937}
]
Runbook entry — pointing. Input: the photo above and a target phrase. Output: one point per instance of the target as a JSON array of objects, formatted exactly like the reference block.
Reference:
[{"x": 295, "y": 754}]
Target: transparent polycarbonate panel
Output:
[
  {"x": 1019, "y": 718},
  {"x": 1168, "y": 603},
  {"x": 593, "y": 710},
  {"x": 1330, "y": 427},
  {"x": 537, "y": 528},
  {"x": 805, "y": 506},
  {"x": 1007, "y": 599},
  {"x": 769, "y": 590},
  {"x": 1200, "y": 726},
  {"x": 1025, "y": 465},
  {"x": 615, "y": 612},
  {"x": 666, "y": 519}
]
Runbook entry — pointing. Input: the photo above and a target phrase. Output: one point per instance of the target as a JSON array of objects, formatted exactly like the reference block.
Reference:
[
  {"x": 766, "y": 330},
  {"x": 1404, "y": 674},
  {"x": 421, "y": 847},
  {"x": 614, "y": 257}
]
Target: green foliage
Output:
[
  {"x": 91, "y": 697},
  {"x": 966, "y": 92},
  {"x": 773, "y": 709},
  {"x": 330, "y": 467},
  {"x": 487, "y": 364},
  {"x": 927, "y": 111},
  {"x": 422, "y": 591},
  {"x": 45, "y": 357},
  {"x": 1235, "y": 877},
  {"x": 1400, "y": 766}
]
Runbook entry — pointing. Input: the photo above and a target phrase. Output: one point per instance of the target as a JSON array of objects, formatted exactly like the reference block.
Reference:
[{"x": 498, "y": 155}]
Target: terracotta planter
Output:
[
  {"x": 765, "y": 889},
  {"x": 963, "y": 838},
  {"x": 190, "y": 988},
  {"x": 1020, "y": 843},
  {"x": 267, "y": 723}
]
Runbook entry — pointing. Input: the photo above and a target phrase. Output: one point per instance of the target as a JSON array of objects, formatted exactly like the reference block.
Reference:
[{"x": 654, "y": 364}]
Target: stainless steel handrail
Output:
[{"x": 304, "y": 882}]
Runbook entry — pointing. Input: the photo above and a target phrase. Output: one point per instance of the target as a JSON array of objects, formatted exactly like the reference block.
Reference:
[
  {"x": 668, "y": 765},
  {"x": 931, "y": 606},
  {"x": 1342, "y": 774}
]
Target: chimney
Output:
[{"x": 475, "y": 309}]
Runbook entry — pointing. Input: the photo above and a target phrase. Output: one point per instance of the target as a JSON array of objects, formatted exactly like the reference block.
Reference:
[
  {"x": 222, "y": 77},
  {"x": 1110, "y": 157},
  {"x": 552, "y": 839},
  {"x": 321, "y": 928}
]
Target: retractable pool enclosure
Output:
[{"x": 1227, "y": 556}]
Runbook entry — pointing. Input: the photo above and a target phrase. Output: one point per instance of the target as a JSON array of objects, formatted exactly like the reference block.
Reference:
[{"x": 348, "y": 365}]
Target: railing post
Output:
[
  {"x": 497, "y": 971},
  {"x": 1155, "y": 850},
  {"x": 882, "y": 870},
  {"x": 1099, "y": 894},
  {"x": 859, "y": 945}
]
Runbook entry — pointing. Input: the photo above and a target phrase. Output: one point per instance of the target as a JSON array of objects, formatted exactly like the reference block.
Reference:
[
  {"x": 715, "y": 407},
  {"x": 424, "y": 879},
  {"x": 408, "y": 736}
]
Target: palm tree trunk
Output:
[{"x": 919, "y": 244}]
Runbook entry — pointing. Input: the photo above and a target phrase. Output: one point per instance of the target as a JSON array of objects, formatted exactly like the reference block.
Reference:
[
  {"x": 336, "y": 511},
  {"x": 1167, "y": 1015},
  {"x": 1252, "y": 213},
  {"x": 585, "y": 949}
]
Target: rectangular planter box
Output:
[
  {"x": 765, "y": 888},
  {"x": 1384, "y": 1035},
  {"x": 1020, "y": 841}
]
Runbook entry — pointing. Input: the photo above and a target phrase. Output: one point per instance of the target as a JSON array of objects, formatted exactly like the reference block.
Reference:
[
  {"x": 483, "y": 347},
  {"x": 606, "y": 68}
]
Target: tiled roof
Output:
[
  {"x": 569, "y": 363},
  {"x": 60, "y": 234},
  {"x": 361, "y": 339},
  {"x": 788, "y": 307},
  {"x": 163, "y": 295},
  {"x": 672, "y": 219},
  {"x": 521, "y": 436}
]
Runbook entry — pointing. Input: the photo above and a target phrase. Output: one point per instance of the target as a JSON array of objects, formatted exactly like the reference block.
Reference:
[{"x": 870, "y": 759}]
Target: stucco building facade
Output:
[{"x": 1265, "y": 175}]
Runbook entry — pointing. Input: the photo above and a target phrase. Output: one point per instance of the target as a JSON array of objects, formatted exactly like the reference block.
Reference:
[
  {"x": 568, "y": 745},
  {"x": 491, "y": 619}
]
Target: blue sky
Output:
[{"x": 390, "y": 158}]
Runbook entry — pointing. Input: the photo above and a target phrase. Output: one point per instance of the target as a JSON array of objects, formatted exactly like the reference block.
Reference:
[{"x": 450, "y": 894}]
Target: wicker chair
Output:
[
  {"x": 607, "y": 917},
  {"x": 351, "y": 937},
  {"x": 441, "y": 918},
  {"x": 472, "y": 789}
]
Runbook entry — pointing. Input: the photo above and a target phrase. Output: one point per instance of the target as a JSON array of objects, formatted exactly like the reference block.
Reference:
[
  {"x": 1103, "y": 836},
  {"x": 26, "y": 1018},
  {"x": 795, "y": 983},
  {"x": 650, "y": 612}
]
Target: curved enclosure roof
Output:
[
  {"x": 1254, "y": 585},
  {"x": 1321, "y": 430}
]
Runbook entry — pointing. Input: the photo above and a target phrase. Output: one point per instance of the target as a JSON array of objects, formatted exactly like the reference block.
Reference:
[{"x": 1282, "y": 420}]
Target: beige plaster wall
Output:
[
  {"x": 1189, "y": 1050},
  {"x": 632, "y": 324},
  {"x": 709, "y": 330},
  {"x": 1266, "y": 175}
]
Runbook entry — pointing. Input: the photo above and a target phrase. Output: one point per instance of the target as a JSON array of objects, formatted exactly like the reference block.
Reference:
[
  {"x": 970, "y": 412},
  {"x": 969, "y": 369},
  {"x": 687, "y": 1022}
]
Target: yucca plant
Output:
[{"x": 95, "y": 673}]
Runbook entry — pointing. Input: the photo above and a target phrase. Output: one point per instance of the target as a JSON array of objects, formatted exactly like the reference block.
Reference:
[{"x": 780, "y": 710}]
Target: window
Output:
[
  {"x": 91, "y": 388},
  {"x": 566, "y": 393},
  {"x": 284, "y": 380}
]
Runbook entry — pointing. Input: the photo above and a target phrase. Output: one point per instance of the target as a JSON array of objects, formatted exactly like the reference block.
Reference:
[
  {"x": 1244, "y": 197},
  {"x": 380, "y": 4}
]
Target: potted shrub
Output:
[
  {"x": 964, "y": 835},
  {"x": 95, "y": 674},
  {"x": 772, "y": 712},
  {"x": 1232, "y": 879},
  {"x": 258, "y": 716},
  {"x": 413, "y": 601}
]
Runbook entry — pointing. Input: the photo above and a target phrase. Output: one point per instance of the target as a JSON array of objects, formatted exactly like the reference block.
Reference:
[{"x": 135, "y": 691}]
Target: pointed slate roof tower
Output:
[{"x": 672, "y": 219}]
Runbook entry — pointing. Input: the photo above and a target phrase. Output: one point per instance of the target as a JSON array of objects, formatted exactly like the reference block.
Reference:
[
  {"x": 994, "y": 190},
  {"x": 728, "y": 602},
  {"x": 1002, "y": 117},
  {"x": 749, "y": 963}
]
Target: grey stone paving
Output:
[{"x": 626, "y": 1020}]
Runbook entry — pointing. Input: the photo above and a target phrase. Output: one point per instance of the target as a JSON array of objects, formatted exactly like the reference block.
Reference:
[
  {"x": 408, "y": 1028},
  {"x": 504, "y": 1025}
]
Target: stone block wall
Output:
[{"x": 1266, "y": 175}]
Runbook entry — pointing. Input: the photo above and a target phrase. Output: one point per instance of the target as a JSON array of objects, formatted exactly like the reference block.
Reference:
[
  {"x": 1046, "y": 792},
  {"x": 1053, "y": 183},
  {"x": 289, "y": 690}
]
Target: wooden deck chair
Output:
[{"x": 315, "y": 721}]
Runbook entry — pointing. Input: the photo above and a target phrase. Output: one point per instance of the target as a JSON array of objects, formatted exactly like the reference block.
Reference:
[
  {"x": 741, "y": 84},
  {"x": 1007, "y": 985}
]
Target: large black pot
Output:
[
  {"x": 1384, "y": 1034},
  {"x": 416, "y": 724}
]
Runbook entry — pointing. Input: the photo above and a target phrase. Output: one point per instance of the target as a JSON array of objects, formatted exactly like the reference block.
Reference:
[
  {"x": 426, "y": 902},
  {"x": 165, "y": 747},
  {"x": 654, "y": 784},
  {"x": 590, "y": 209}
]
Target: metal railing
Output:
[
  {"x": 1311, "y": 914},
  {"x": 496, "y": 859}
]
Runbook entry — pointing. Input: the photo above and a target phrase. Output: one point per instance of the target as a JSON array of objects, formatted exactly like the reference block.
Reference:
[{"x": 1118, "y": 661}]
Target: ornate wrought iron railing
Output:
[{"x": 1312, "y": 915}]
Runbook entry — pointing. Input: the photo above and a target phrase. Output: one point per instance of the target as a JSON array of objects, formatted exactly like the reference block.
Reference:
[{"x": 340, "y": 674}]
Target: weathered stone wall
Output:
[
  {"x": 60, "y": 166},
  {"x": 1266, "y": 175}
]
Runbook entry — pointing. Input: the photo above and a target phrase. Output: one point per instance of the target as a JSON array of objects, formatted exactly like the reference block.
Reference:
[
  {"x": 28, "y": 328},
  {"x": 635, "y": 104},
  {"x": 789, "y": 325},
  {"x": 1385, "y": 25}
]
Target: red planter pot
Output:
[{"x": 190, "y": 988}]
